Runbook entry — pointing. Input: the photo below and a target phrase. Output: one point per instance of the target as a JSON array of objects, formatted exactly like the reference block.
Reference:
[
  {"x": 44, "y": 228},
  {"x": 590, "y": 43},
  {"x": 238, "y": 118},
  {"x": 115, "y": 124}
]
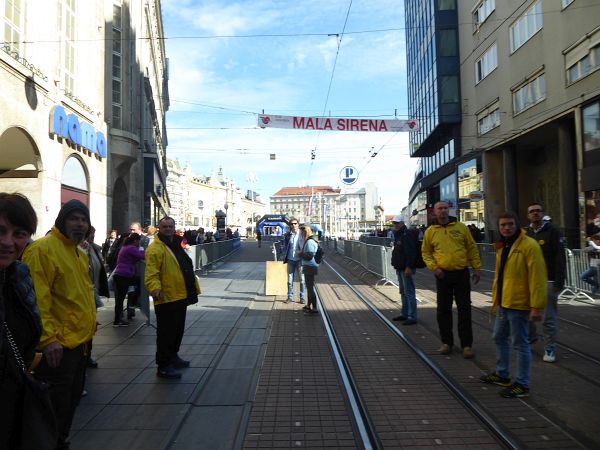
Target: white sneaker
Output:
[{"x": 549, "y": 356}]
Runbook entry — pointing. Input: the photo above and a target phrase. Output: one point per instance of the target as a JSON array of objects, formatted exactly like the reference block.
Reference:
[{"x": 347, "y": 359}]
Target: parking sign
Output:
[{"x": 349, "y": 175}]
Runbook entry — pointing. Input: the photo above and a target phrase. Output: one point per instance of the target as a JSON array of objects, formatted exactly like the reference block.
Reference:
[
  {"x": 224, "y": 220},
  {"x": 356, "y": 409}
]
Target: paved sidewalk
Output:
[{"x": 128, "y": 407}]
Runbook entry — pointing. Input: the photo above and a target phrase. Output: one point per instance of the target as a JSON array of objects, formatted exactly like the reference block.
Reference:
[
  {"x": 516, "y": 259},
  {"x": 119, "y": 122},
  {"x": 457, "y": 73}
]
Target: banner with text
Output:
[{"x": 336, "y": 123}]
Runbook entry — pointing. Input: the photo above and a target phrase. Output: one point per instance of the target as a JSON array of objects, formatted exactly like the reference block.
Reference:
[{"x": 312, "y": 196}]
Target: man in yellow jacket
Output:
[
  {"x": 519, "y": 296},
  {"x": 65, "y": 296},
  {"x": 173, "y": 285},
  {"x": 448, "y": 251}
]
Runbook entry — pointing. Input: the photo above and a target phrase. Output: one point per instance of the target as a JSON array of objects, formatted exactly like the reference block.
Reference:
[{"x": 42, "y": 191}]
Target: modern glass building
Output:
[{"x": 433, "y": 68}]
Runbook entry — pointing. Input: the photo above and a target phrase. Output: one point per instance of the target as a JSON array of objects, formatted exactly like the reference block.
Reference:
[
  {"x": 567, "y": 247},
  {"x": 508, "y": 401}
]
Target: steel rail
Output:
[
  {"x": 365, "y": 426},
  {"x": 503, "y": 435}
]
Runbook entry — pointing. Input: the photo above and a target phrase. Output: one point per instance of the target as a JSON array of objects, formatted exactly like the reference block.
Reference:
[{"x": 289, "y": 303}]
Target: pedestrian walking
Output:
[
  {"x": 173, "y": 285},
  {"x": 65, "y": 296},
  {"x": 590, "y": 275},
  {"x": 448, "y": 251},
  {"x": 291, "y": 249},
  {"x": 554, "y": 255},
  {"x": 309, "y": 266},
  {"x": 258, "y": 237},
  {"x": 519, "y": 297},
  {"x": 404, "y": 255}
]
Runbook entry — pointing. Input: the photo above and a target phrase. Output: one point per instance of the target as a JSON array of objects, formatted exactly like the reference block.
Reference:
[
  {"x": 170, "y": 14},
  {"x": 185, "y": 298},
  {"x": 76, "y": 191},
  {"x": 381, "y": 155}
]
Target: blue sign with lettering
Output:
[
  {"x": 349, "y": 175},
  {"x": 79, "y": 134}
]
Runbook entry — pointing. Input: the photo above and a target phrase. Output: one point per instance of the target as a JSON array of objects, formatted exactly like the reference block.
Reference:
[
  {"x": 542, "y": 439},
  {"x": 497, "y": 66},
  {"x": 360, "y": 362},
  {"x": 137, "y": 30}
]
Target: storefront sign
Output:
[
  {"x": 336, "y": 123},
  {"x": 80, "y": 134}
]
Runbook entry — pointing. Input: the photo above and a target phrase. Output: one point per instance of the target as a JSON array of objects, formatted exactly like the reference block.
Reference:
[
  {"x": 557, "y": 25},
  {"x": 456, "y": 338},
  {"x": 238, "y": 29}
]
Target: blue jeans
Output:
[
  {"x": 549, "y": 322},
  {"x": 513, "y": 324},
  {"x": 293, "y": 267},
  {"x": 407, "y": 294},
  {"x": 590, "y": 276}
]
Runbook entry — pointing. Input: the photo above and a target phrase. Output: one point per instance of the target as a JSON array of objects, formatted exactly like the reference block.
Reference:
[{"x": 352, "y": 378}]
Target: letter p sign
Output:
[{"x": 349, "y": 175}]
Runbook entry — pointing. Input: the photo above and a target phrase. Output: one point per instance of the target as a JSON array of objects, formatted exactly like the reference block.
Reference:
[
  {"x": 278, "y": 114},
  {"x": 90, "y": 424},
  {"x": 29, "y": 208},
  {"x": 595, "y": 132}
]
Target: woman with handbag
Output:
[{"x": 24, "y": 400}]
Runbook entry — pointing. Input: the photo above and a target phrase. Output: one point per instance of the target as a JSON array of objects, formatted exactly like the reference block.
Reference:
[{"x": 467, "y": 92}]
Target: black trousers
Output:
[
  {"x": 309, "y": 279},
  {"x": 66, "y": 384},
  {"x": 170, "y": 325},
  {"x": 455, "y": 286},
  {"x": 121, "y": 287}
]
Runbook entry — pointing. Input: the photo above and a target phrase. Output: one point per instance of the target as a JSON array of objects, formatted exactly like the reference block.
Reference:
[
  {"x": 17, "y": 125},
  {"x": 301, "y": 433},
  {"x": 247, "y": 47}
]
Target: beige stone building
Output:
[
  {"x": 53, "y": 133},
  {"x": 530, "y": 90},
  {"x": 197, "y": 200}
]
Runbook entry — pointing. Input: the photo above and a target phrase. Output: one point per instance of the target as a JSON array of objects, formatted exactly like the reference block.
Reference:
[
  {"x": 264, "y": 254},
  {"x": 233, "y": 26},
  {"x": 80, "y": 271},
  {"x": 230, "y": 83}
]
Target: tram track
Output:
[
  {"x": 388, "y": 307},
  {"x": 501, "y": 435}
]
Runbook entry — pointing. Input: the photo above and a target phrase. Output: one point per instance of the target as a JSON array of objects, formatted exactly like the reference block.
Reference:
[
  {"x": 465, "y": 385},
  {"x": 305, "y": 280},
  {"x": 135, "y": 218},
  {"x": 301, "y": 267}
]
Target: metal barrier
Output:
[
  {"x": 578, "y": 261},
  {"x": 203, "y": 255},
  {"x": 487, "y": 254}
]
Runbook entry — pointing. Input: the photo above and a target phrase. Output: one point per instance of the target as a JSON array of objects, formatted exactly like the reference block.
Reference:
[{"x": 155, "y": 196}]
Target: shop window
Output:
[
  {"x": 591, "y": 127},
  {"x": 526, "y": 26}
]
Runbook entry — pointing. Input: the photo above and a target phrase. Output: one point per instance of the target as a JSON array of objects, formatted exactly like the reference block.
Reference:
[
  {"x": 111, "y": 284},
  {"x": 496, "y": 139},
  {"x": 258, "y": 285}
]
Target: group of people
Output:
[
  {"x": 299, "y": 248},
  {"x": 48, "y": 307},
  {"x": 530, "y": 272}
]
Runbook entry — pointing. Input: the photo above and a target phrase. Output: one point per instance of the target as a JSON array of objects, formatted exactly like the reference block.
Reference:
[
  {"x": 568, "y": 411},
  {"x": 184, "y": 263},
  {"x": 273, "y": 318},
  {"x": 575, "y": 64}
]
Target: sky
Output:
[{"x": 231, "y": 60}]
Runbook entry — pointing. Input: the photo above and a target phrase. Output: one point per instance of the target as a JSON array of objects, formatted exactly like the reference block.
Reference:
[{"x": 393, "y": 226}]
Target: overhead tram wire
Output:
[{"x": 337, "y": 53}]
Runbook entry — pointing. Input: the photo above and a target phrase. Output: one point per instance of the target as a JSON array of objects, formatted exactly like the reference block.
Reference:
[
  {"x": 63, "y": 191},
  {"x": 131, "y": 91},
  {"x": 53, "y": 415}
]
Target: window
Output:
[
  {"x": 449, "y": 89},
  {"x": 488, "y": 121},
  {"x": 526, "y": 26},
  {"x": 586, "y": 65},
  {"x": 13, "y": 25},
  {"x": 66, "y": 18},
  {"x": 445, "y": 5},
  {"x": 447, "y": 40},
  {"x": 116, "y": 67},
  {"x": 566, "y": 3},
  {"x": 482, "y": 11},
  {"x": 529, "y": 94},
  {"x": 486, "y": 64}
]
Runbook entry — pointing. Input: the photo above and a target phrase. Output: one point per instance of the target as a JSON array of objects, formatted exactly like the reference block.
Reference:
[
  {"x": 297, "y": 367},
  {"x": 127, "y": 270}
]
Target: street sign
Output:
[
  {"x": 349, "y": 175},
  {"x": 476, "y": 196}
]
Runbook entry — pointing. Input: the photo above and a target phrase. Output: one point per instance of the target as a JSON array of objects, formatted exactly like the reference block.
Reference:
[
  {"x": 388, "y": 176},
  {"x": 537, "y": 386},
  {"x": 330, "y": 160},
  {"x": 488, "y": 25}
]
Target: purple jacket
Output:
[{"x": 129, "y": 255}]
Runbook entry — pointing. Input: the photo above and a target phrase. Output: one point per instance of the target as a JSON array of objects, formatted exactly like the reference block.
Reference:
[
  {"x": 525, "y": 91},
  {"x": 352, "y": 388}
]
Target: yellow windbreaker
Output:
[
  {"x": 524, "y": 284},
  {"x": 450, "y": 247},
  {"x": 163, "y": 272},
  {"x": 64, "y": 291}
]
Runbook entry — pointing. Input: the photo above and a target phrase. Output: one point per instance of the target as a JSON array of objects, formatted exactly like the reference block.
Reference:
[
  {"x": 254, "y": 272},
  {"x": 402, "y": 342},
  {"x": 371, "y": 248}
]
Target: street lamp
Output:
[
  {"x": 226, "y": 206},
  {"x": 201, "y": 208}
]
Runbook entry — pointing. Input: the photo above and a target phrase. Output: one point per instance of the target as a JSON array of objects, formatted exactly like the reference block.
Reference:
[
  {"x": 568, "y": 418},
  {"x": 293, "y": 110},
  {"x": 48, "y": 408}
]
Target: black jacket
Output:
[
  {"x": 405, "y": 249},
  {"x": 554, "y": 253}
]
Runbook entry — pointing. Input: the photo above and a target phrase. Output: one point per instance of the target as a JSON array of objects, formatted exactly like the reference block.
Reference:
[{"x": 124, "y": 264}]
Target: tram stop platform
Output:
[{"x": 263, "y": 374}]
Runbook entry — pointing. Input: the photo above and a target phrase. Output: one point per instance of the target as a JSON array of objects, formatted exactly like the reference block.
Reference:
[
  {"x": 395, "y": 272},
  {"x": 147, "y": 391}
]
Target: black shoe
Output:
[
  {"x": 399, "y": 319},
  {"x": 120, "y": 323},
  {"x": 409, "y": 322},
  {"x": 180, "y": 363},
  {"x": 306, "y": 308},
  {"x": 168, "y": 372},
  {"x": 92, "y": 363},
  {"x": 130, "y": 313}
]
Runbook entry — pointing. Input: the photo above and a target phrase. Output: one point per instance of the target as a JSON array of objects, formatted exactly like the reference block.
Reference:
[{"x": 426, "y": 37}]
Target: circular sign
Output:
[
  {"x": 476, "y": 196},
  {"x": 349, "y": 175}
]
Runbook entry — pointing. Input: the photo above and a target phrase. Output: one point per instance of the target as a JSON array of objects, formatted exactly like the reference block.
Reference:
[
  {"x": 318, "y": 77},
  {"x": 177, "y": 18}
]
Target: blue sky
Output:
[{"x": 230, "y": 60}]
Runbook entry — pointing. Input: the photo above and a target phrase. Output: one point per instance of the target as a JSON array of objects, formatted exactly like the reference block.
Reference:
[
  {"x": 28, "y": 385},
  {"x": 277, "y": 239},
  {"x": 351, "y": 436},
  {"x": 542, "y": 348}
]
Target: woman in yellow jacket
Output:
[
  {"x": 519, "y": 295},
  {"x": 173, "y": 285}
]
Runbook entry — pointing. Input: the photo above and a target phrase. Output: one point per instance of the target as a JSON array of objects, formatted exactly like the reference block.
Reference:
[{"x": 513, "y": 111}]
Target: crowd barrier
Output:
[
  {"x": 377, "y": 260},
  {"x": 203, "y": 255}
]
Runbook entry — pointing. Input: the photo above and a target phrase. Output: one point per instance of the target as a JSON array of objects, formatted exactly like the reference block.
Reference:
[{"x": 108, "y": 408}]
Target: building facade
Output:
[
  {"x": 196, "y": 200},
  {"x": 136, "y": 74},
  {"x": 53, "y": 131},
  {"x": 530, "y": 75},
  {"x": 433, "y": 70},
  {"x": 528, "y": 113}
]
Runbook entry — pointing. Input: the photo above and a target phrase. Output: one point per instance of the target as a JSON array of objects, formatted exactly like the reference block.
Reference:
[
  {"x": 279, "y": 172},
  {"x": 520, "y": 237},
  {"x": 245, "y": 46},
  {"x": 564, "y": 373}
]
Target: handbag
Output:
[{"x": 39, "y": 430}]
